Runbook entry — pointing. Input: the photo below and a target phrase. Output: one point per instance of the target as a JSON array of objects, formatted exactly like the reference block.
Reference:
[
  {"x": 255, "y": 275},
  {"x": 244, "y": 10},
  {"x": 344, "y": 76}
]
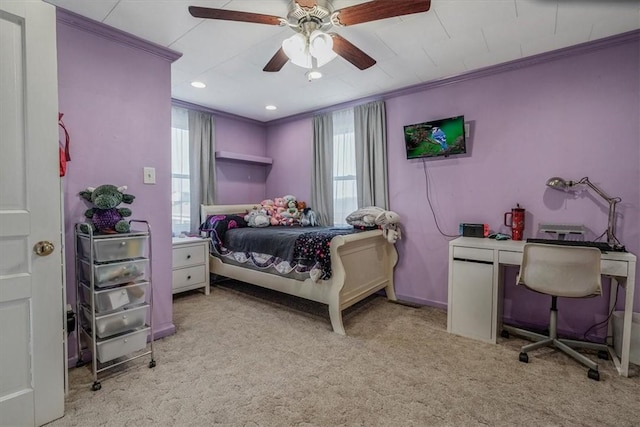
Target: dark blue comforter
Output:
[{"x": 302, "y": 245}]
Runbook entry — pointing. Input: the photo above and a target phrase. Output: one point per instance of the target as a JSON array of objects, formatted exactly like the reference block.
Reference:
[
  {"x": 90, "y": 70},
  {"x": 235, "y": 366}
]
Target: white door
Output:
[{"x": 31, "y": 307}]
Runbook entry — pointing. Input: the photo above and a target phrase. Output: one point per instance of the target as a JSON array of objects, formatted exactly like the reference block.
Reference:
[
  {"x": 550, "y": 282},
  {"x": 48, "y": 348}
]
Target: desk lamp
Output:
[{"x": 558, "y": 183}]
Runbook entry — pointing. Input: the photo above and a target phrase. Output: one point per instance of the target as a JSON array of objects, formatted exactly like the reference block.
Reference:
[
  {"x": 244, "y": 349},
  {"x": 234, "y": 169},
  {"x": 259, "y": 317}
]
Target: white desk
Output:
[{"x": 476, "y": 288}]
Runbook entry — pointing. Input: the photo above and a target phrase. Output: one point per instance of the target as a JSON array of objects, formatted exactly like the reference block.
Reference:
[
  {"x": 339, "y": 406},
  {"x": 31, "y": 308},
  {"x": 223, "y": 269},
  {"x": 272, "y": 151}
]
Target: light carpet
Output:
[{"x": 246, "y": 356}]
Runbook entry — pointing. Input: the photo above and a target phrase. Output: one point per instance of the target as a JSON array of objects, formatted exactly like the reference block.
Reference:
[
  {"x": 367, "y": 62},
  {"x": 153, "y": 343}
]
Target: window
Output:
[
  {"x": 180, "y": 182},
  {"x": 345, "y": 192}
]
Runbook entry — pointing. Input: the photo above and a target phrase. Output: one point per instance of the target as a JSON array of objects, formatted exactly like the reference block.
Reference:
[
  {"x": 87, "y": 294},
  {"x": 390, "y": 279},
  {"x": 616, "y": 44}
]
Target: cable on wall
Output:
[{"x": 426, "y": 180}]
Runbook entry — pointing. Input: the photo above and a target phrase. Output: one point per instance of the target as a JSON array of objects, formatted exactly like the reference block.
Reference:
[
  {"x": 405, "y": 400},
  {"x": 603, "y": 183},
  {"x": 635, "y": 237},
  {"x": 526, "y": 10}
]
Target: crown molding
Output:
[
  {"x": 217, "y": 113},
  {"x": 579, "y": 49},
  {"x": 80, "y": 22}
]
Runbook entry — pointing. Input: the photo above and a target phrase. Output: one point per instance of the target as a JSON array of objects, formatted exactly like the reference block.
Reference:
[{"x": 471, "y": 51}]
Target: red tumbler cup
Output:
[{"x": 517, "y": 222}]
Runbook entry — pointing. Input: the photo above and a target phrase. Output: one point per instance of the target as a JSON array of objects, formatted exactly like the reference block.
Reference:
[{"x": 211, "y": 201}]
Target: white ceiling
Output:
[{"x": 454, "y": 37}]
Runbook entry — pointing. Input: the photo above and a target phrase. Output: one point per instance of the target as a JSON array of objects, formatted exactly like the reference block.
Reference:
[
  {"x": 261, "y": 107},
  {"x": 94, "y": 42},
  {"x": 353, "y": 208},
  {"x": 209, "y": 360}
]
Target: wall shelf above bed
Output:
[{"x": 246, "y": 158}]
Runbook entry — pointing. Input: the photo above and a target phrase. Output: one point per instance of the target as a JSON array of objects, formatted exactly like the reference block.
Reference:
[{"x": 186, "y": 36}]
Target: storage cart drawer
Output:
[
  {"x": 119, "y": 321},
  {"x": 188, "y": 276},
  {"x": 115, "y": 298},
  {"x": 188, "y": 255},
  {"x": 113, "y": 248},
  {"x": 113, "y": 273},
  {"x": 122, "y": 345}
]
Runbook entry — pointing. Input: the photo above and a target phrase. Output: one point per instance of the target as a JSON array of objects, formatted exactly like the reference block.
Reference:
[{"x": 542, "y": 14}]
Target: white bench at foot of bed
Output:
[{"x": 362, "y": 264}]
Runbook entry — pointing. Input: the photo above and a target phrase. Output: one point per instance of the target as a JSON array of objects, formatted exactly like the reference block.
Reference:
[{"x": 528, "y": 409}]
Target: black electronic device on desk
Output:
[
  {"x": 603, "y": 246},
  {"x": 467, "y": 229}
]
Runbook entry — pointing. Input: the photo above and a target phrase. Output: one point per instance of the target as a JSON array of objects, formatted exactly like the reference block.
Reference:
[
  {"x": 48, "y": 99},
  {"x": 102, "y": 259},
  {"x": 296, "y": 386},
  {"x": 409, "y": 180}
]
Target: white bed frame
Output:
[{"x": 362, "y": 264}]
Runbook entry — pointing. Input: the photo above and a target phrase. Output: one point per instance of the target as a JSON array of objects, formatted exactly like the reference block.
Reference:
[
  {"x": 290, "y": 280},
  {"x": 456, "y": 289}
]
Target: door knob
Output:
[{"x": 43, "y": 248}]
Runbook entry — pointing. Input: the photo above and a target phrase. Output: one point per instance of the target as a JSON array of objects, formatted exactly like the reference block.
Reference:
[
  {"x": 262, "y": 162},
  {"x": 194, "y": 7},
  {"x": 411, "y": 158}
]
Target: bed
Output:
[{"x": 361, "y": 263}]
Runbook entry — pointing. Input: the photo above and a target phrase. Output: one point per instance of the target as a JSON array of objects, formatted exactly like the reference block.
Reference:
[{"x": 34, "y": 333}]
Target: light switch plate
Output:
[{"x": 149, "y": 175}]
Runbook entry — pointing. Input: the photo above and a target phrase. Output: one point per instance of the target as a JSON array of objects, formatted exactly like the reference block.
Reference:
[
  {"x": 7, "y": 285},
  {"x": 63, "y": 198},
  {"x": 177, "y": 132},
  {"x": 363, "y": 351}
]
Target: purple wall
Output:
[
  {"x": 116, "y": 102},
  {"x": 573, "y": 117},
  {"x": 240, "y": 182},
  {"x": 292, "y": 150}
]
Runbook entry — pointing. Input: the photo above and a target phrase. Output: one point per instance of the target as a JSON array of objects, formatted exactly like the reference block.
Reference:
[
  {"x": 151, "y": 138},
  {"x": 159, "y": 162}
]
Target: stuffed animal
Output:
[
  {"x": 392, "y": 232},
  {"x": 267, "y": 205},
  {"x": 279, "y": 203},
  {"x": 279, "y": 206},
  {"x": 291, "y": 210},
  {"x": 105, "y": 216},
  {"x": 389, "y": 221},
  {"x": 372, "y": 216},
  {"x": 386, "y": 218},
  {"x": 309, "y": 218},
  {"x": 257, "y": 218}
]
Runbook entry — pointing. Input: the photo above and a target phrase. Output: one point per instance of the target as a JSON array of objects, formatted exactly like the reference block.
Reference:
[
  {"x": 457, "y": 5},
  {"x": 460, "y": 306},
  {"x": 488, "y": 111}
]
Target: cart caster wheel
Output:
[
  {"x": 594, "y": 374},
  {"x": 504, "y": 333},
  {"x": 603, "y": 354},
  {"x": 152, "y": 364},
  {"x": 96, "y": 386},
  {"x": 524, "y": 357}
]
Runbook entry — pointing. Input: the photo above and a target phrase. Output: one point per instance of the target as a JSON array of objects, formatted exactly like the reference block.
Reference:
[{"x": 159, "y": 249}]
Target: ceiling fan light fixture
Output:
[
  {"x": 321, "y": 47},
  {"x": 295, "y": 47},
  {"x": 313, "y": 75}
]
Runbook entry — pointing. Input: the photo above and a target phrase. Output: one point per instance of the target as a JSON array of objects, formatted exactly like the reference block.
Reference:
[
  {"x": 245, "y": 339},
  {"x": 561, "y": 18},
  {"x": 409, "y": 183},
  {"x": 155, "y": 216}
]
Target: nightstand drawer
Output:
[
  {"x": 188, "y": 255},
  {"x": 189, "y": 276}
]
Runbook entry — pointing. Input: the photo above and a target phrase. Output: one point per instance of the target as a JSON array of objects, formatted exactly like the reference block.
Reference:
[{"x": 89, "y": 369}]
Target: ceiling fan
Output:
[{"x": 312, "y": 46}]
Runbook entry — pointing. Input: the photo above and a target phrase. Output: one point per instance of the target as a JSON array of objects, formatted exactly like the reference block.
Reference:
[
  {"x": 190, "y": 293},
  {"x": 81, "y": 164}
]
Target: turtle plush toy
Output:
[{"x": 106, "y": 216}]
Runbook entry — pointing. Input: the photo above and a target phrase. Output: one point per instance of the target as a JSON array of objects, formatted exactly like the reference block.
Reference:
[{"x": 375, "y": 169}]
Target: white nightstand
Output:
[{"x": 190, "y": 264}]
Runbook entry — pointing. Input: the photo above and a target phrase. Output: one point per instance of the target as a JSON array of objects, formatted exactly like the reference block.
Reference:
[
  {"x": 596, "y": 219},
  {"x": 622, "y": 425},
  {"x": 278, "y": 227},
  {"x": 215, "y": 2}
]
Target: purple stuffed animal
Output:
[{"x": 106, "y": 217}]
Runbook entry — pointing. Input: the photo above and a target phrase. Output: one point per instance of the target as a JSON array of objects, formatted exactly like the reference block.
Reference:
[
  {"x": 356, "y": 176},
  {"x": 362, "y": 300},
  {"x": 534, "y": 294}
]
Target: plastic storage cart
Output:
[{"x": 114, "y": 298}]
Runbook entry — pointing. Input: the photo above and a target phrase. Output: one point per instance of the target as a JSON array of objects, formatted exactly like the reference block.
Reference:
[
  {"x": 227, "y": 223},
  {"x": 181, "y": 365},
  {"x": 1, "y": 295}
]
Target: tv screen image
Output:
[{"x": 436, "y": 138}]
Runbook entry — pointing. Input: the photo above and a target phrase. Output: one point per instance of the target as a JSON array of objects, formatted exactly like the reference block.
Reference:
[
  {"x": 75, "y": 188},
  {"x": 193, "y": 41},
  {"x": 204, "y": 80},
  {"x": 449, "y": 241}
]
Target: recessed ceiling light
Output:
[
  {"x": 199, "y": 85},
  {"x": 271, "y": 107}
]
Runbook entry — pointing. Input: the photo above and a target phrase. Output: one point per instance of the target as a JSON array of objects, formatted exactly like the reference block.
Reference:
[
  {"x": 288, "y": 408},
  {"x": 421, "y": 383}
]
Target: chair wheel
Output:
[
  {"x": 594, "y": 374},
  {"x": 96, "y": 386},
  {"x": 603, "y": 354},
  {"x": 524, "y": 357},
  {"x": 504, "y": 333},
  {"x": 152, "y": 364}
]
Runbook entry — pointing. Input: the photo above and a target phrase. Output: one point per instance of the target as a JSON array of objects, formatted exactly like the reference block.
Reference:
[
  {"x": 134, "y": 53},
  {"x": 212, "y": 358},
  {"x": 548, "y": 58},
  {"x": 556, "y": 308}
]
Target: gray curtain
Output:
[
  {"x": 370, "y": 122},
  {"x": 322, "y": 174},
  {"x": 202, "y": 164}
]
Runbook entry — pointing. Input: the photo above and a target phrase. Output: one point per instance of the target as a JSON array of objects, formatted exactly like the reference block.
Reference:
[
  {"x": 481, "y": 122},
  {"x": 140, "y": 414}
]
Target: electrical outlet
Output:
[{"x": 149, "y": 175}]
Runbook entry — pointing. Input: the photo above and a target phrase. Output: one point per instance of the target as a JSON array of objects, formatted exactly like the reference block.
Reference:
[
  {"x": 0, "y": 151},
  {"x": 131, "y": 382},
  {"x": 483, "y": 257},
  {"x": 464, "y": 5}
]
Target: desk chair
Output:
[{"x": 561, "y": 271}]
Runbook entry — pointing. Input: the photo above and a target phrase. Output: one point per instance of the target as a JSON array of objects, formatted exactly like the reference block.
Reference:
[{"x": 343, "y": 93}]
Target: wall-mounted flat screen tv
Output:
[{"x": 436, "y": 138}]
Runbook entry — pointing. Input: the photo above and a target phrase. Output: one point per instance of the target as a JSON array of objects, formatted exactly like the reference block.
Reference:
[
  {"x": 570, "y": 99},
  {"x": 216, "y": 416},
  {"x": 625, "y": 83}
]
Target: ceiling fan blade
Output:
[
  {"x": 233, "y": 15},
  {"x": 380, "y": 9},
  {"x": 276, "y": 62},
  {"x": 351, "y": 53}
]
